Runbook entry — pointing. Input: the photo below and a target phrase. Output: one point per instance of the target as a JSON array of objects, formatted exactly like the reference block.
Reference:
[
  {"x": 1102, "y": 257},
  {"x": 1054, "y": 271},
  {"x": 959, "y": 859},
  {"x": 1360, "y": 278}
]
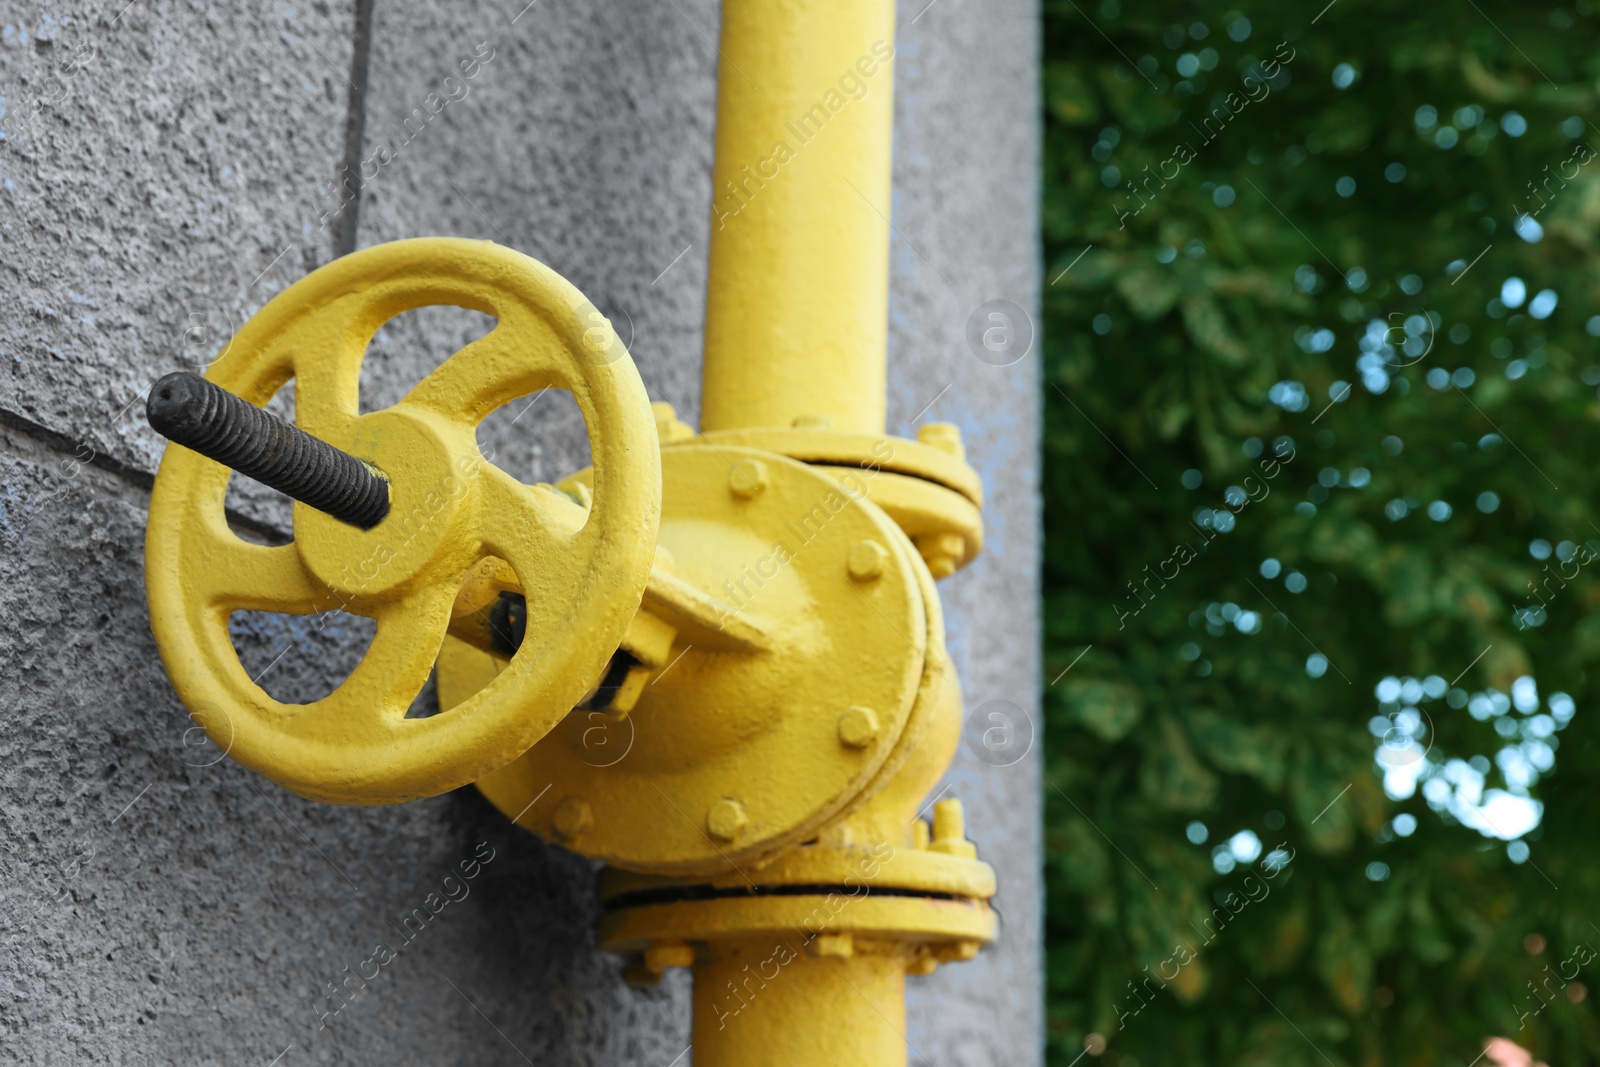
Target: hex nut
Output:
[
  {"x": 747, "y": 478},
  {"x": 833, "y": 946},
  {"x": 573, "y": 817},
  {"x": 663, "y": 954},
  {"x": 726, "y": 819},
  {"x": 867, "y": 559},
  {"x": 955, "y": 951},
  {"x": 945, "y": 436},
  {"x": 942, "y": 552},
  {"x": 858, "y": 727},
  {"x": 669, "y": 428}
]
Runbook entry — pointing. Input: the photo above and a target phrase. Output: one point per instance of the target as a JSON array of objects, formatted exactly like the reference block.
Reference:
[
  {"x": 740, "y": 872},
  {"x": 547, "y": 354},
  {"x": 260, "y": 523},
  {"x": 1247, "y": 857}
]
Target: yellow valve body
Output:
[
  {"x": 797, "y": 304},
  {"x": 788, "y": 734},
  {"x": 450, "y": 510}
]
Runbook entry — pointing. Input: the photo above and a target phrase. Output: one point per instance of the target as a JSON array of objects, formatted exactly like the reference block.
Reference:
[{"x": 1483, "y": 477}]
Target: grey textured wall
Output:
[{"x": 166, "y": 168}]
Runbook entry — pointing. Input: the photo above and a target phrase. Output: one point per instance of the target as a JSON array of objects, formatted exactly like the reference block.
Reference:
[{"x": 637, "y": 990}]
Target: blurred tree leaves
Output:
[
  {"x": 1106, "y": 709},
  {"x": 1322, "y": 283}
]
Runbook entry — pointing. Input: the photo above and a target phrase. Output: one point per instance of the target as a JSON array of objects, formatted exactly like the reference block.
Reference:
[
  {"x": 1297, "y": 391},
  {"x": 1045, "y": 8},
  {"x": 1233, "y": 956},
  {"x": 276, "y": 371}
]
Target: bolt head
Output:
[
  {"x": 747, "y": 478},
  {"x": 867, "y": 559},
  {"x": 573, "y": 817},
  {"x": 858, "y": 727},
  {"x": 726, "y": 819}
]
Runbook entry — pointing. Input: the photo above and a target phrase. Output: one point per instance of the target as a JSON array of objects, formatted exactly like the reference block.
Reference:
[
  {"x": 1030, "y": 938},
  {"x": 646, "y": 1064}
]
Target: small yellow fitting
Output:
[
  {"x": 645, "y": 970},
  {"x": 669, "y": 428},
  {"x": 834, "y": 946},
  {"x": 573, "y": 817},
  {"x": 942, "y": 552},
  {"x": 726, "y": 819},
  {"x": 747, "y": 478},
  {"x": 955, "y": 951},
  {"x": 950, "y": 831},
  {"x": 945, "y": 436},
  {"x": 858, "y": 727},
  {"x": 867, "y": 560},
  {"x": 663, "y": 954}
]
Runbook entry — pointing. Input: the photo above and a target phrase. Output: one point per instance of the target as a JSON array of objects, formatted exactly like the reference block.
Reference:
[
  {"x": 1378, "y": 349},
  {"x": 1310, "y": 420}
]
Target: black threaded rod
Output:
[{"x": 190, "y": 411}]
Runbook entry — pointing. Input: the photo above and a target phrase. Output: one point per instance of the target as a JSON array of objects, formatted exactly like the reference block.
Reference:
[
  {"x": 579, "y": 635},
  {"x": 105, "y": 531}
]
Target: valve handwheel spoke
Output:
[
  {"x": 410, "y": 633},
  {"x": 512, "y": 360},
  {"x": 583, "y": 573},
  {"x": 231, "y": 573},
  {"x": 536, "y": 529},
  {"x": 325, "y": 351}
]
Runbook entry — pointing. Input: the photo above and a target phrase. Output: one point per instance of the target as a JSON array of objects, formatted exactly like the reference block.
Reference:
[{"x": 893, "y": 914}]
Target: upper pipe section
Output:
[{"x": 798, "y": 298}]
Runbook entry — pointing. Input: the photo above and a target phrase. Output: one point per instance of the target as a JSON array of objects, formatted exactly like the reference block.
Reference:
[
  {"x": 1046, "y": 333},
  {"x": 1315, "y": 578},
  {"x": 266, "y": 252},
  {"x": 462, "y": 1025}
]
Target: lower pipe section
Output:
[
  {"x": 800, "y": 958},
  {"x": 777, "y": 1001}
]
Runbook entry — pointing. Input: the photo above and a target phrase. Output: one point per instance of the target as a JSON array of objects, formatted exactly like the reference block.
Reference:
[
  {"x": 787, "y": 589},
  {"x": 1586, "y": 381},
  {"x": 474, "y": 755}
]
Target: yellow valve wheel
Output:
[{"x": 450, "y": 509}]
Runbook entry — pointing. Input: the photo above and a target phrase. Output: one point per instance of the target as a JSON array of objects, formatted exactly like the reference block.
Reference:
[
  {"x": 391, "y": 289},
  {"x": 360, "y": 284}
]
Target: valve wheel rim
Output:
[{"x": 584, "y": 575}]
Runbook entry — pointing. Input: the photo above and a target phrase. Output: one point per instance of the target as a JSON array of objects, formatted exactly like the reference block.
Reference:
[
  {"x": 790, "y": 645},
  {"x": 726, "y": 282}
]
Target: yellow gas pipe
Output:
[
  {"x": 798, "y": 302},
  {"x": 796, "y": 336}
]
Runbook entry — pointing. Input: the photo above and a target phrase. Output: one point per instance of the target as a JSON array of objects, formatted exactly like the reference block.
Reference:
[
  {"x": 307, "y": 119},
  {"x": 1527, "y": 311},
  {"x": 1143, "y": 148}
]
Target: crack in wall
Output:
[
  {"x": 355, "y": 131},
  {"x": 135, "y": 477}
]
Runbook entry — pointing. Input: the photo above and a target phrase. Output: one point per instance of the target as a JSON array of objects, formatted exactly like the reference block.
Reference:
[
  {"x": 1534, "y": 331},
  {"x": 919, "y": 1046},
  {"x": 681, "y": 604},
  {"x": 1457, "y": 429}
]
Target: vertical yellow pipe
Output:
[
  {"x": 798, "y": 302},
  {"x": 796, "y": 329},
  {"x": 766, "y": 1002}
]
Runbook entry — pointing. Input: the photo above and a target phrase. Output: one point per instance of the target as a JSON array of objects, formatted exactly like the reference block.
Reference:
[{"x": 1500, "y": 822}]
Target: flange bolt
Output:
[{"x": 726, "y": 819}]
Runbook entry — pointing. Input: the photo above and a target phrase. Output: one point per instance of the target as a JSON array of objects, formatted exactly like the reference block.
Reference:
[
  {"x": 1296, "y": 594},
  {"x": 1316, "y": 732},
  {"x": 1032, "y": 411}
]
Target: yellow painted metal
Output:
[
  {"x": 768, "y": 1001},
  {"x": 870, "y": 451},
  {"x": 925, "y": 485},
  {"x": 782, "y": 730},
  {"x": 928, "y": 513},
  {"x": 905, "y": 867},
  {"x": 797, "y": 302},
  {"x": 813, "y": 979},
  {"x": 854, "y": 910},
  {"x": 585, "y": 572}
]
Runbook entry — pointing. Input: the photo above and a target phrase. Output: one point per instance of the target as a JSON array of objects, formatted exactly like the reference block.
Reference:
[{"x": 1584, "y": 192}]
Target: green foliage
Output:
[{"x": 1338, "y": 371}]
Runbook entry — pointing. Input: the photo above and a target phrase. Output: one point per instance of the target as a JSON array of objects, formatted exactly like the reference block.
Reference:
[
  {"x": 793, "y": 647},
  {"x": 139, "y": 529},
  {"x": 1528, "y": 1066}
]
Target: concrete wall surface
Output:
[{"x": 166, "y": 167}]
